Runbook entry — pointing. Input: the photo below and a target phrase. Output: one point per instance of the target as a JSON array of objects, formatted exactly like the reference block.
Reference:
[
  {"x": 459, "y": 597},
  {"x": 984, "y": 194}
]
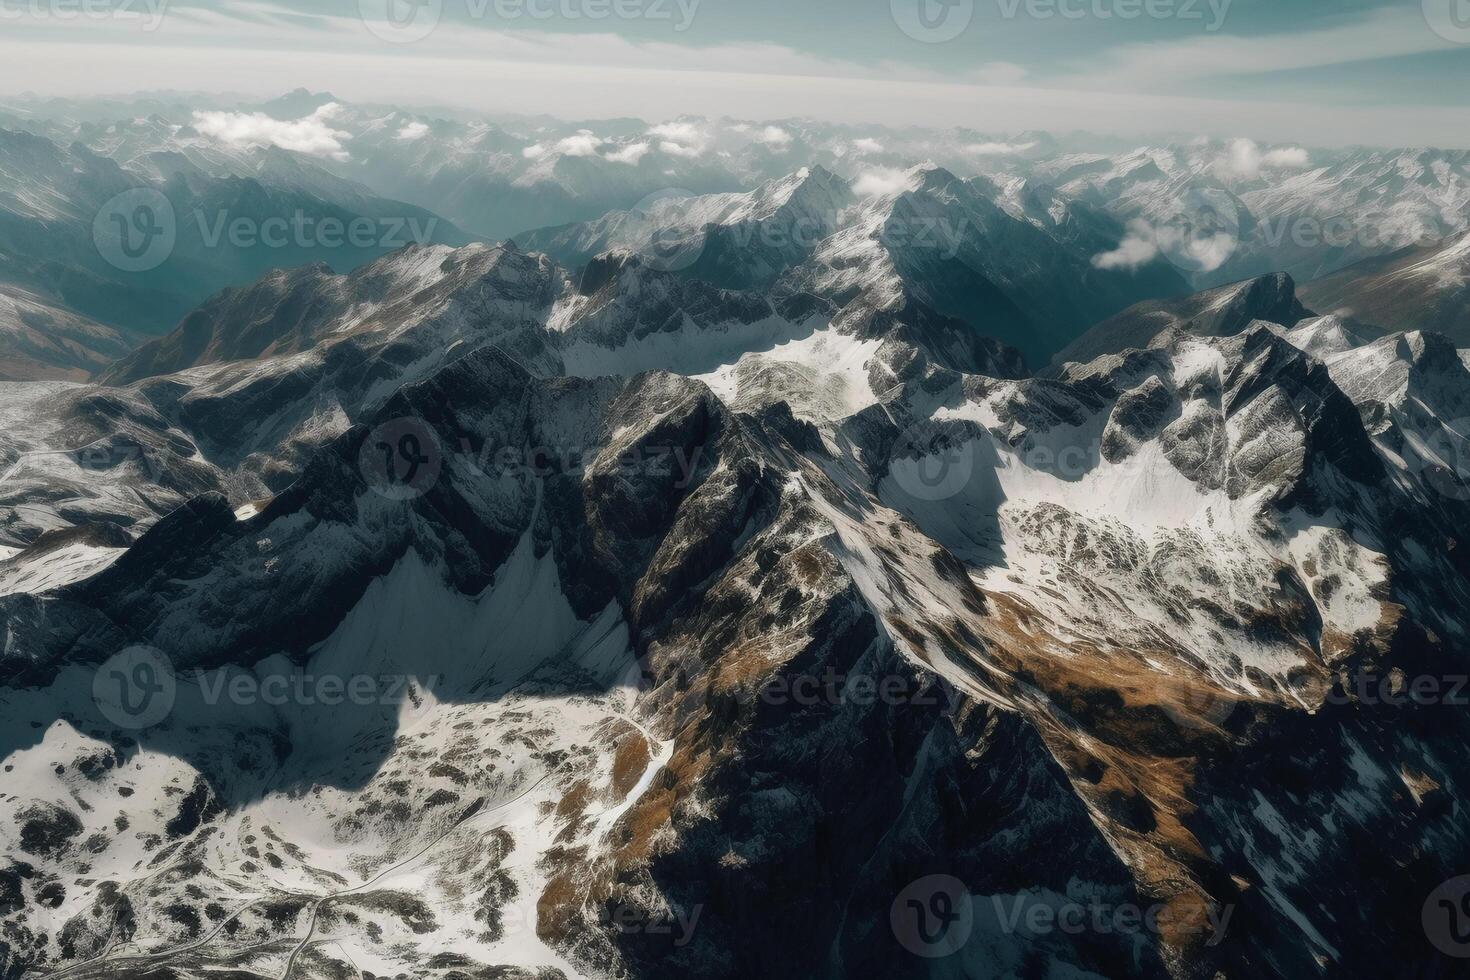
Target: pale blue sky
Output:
[{"x": 1324, "y": 71}]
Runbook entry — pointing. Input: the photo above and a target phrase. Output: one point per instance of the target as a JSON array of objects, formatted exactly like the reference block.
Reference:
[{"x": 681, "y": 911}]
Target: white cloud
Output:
[
  {"x": 1242, "y": 161},
  {"x": 775, "y": 137},
  {"x": 412, "y": 131},
  {"x": 678, "y": 150},
  {"x": 629, "y": 154},
  {"x": 582, "y": 144},
  {"x": 681, "y": 139},
  {"x": 1288, "y": 158},
  {"x": 998, "y": 149},
  {"x": 1138, "y": 247},
  {"x": 880, "y": 181},
  {"x": 683, "y": 132},
  {"x": 309, "y": 134},
  {"x": 867, "y": 145}
]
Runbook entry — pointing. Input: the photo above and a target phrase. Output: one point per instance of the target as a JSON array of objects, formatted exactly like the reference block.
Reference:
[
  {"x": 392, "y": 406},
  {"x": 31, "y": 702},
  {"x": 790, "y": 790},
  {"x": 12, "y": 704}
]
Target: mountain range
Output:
[{"x": 705, "y": 583}]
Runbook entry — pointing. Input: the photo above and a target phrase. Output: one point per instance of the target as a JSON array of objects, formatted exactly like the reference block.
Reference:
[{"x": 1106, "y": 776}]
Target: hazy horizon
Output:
[{"x": 1292, "y": 71}]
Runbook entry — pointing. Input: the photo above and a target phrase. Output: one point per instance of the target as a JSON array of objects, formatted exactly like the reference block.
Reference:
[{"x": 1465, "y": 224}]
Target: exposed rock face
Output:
[{"x": 498, "y": 644}]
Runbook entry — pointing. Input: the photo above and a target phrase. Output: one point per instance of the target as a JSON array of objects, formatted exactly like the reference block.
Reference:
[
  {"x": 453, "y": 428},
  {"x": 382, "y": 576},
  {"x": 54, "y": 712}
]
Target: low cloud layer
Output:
[{"x": 311, "y": 134}]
